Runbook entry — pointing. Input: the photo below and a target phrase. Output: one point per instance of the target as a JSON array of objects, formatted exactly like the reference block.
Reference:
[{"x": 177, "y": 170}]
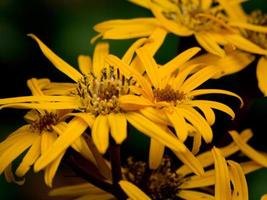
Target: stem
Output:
[{"x": 115, "y": 158}]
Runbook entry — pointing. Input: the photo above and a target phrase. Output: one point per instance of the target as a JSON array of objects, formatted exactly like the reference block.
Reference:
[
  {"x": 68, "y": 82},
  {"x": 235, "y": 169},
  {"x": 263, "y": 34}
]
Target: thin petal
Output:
[
  {"x": 174, "y": 27},
  {"x": 118, "y": 126},
  {"x": 177, "y": 62},
  {"x": 57, "y": 61},
  {"x": 100, "y": 133},
  {"x": 133, "y": 102},
  {"x": 196, "y": 143},
  {"x": 222, "y": 177},
  {"x": 239, "y": 181},
  {"x": 150, "y": 65},
  {"x": 178, "y": 123},
  {"x": 11, "y": 153},
  {"x": 154, "y": 131},
  {"x": 10, "y": 178},
  {"x": 31, "y": 156},
  {"x": 262, "y": 74},
  {"x": 244, "y": 44},
  {"x": 209, "y": 43},
  {"x": 85, "y": 64},
  {"x": 100, "y": 53},
  {"x": 247, "y": 150},
  {"x": 189, "y": 194},
  {"x": 155, "y": 115},
  {"x": 156, "y": 152},
  {"x": 75, "y": 128},
  {"x": 133, "y": 192},
  {"x": 198, "y": 78},
  {"x": 33, "y": 85},
  {"x": 42, "y": 105}
]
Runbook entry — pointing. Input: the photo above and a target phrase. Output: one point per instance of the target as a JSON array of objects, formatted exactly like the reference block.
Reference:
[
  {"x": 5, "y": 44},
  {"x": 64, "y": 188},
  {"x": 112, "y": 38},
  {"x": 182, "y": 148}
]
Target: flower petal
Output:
[
  {"x": 222, "y": 177},
  {"x": 75, "y": 128},
  {"x": 154, "y": 131},
  {"x": 247, "y": 150},
  {"x": 156, "y": 152},
  {"x": 85, "y": 64},
  {"x": 10, "y": 178},
  {"x": 261, "y": 71},
  {"x": 133, "y": 192},
  {"x": 100, "y": 53},
  {"x": 57, "y": 61},
  {"x": 118, "y": 126},
  {"x": 189, "y": 194},
  {"x": 239, "y": 181},
  {"x": 100, "y": 133}
]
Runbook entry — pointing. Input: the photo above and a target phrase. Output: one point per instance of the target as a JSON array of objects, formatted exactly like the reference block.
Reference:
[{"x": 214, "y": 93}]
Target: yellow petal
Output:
[
  {"x": 31, "y": 156},
  {"x": 174, "y": 27},
  {"x": 261, "y": 71},
  {"x": 215, "y": 105},
  {"x": 251, "y": 27},
  {"x": 208, "y": 113},
  {"x": 57, "y": 61},
  {"x": 133, "y": 192},
  {"x": 194, "y": 195},
  {"x": 75, "y": 190},
  {"x": 196, "y": 143},
  {"x": 178, "y": 122},
  {"x": 75, "y": 128},
  {"x": 85, "y": 64},
  {"x": 209, "y": 43},
  {"x": 143, "y": 3},
  {"x": 10, "y": 178},
  {"x": 198, "y": 78},
  {"x": 133, "y": 102},
  {"x": 51, "y": 170},
  {"x": 191, "y": 161},
  {"x": 86, "y": 117},
  {"x": 247, "y": 150},
  {"x": 42, "y": 105},
  {"x": 214, "y": 91},
  {"x": 128, "y": 56},
  {"x": 118, "y": 126},
  {"x": 156, "y": 151},
  {"x": 100, "y": 53},
  {"x": 250, "y": 166},
  {"x": 206, "y": 157},
  {"x": 154, "y": 131},
  {"x": 128, "y": 71},
  {"x": 177, "y": 62},
  {"x": 264, "y": 197},
  {"x": 239, "y": 181},
  {"x": 155, "y": 115},
  {"x": 150, "y": 65},
  {"x": 197, "y": 121},
  {"x": 11, "y": 153},
  {"x": 100, "y": 133},
  {"x": 222, "y": 177},
  {"x": 33, "y": 85},
  {"x": 244, "y": 44}
]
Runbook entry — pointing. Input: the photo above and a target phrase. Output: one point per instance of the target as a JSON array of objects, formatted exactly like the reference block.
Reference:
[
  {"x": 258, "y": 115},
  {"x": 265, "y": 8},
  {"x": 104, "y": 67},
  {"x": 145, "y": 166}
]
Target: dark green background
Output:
[{"x": 66, "y": 27}]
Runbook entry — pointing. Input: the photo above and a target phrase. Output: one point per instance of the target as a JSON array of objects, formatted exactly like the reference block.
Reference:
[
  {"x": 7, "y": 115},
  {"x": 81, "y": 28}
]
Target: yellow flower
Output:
[
  {"x": 97, "y": 102},
  {"x": 166, "y": 183},
  {"x": 37, "y": 136},
  {"x": 253, "y": 27},
  {"x": 172, "y": 93},
  {"x": 200, "y": 18}
]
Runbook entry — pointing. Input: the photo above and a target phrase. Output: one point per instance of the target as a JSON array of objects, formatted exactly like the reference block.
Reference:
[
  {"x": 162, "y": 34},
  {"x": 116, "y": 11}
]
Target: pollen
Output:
[
  {"x": 100, "y": 95},
  {"x": 191, "y": 14},
  {"x": 168, "y": 94},
  {"x": 45, "y": 122},
  {"x": 160, "y": 184},
  {"x": 257, "y": 18}
]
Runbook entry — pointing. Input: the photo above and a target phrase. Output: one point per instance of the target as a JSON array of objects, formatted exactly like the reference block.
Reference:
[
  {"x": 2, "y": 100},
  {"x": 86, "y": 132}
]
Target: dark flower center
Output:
[{"x": 45, "y": 122}]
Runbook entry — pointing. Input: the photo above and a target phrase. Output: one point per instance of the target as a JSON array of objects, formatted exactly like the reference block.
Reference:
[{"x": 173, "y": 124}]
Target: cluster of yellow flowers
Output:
[{"x": 91, "y": 113}]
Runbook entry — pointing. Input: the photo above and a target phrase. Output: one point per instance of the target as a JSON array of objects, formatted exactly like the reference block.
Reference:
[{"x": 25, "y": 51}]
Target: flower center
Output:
[
  {"x": 45, "y": 122},
  {"x": 169, "y": 94},
  {"x": 257, "y": 18},
  {"x": 100, "y": 95},
  {"x": 160, "y": 184},
  {"x": 191, "y": 14}
]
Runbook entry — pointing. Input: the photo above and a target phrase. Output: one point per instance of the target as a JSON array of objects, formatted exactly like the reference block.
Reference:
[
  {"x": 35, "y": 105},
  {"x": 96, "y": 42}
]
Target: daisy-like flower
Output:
[
  {"x": 139, "y": 182},
  {"x": 252, "y": 26},
  {"x": 97, "y": 102},
  {"x": 201, "y": 18},
  {"x": 173, "y": 93},
  {"x": 36, "y": 137}
]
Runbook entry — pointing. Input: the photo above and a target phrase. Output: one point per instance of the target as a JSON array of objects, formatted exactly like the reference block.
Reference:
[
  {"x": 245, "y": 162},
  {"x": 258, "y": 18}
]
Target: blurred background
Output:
[{"x": 66, "y": 27}]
